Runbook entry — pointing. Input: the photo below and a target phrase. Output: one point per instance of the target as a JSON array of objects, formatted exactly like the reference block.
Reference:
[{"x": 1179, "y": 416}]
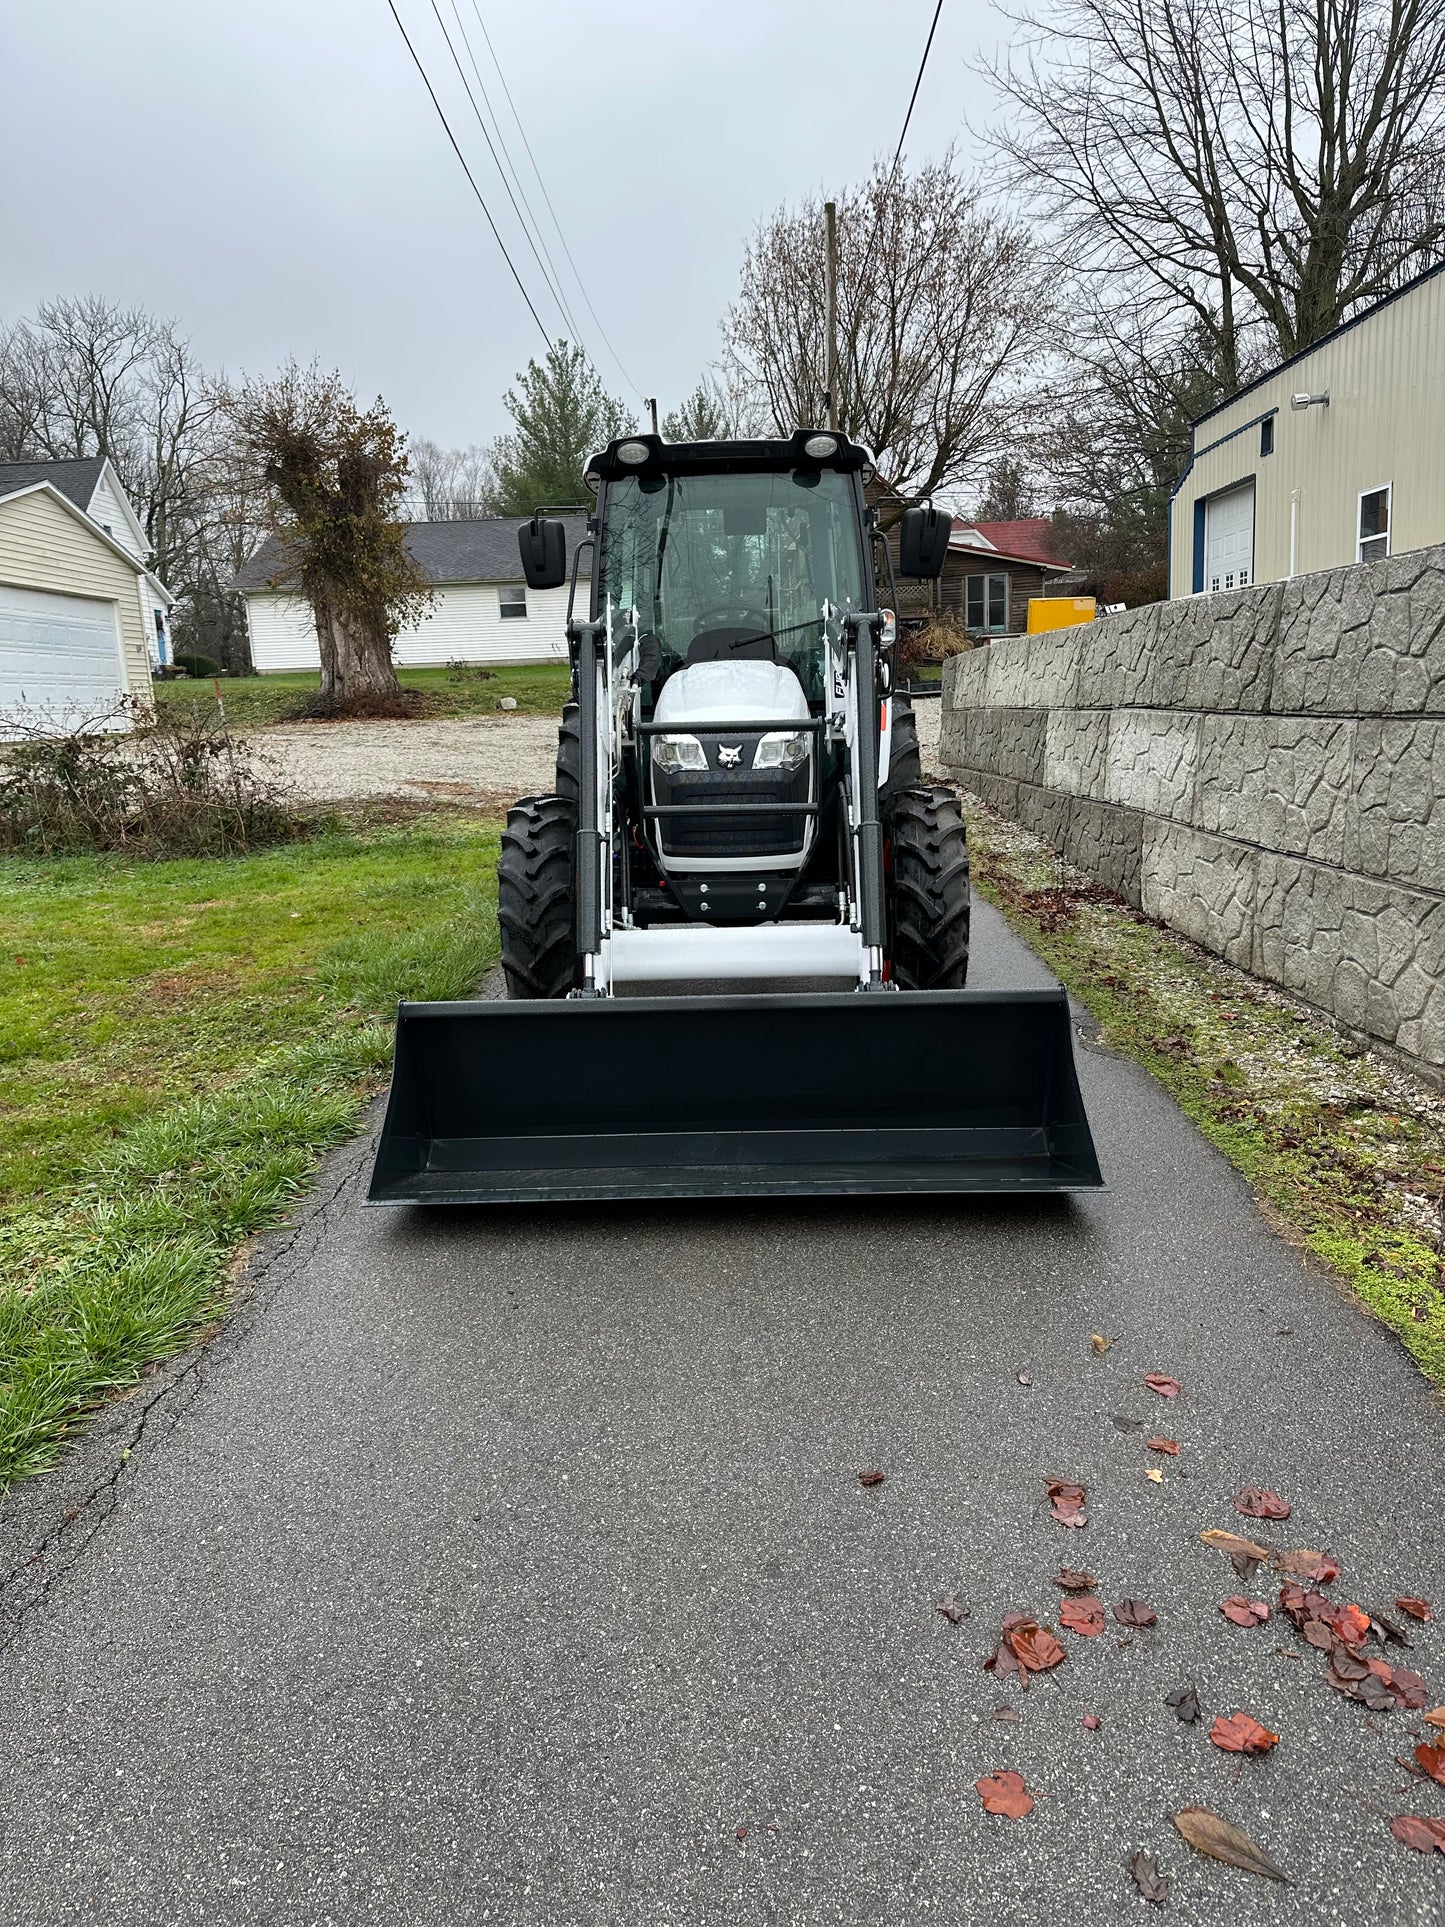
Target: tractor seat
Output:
[{"x": 731, "y": 645}]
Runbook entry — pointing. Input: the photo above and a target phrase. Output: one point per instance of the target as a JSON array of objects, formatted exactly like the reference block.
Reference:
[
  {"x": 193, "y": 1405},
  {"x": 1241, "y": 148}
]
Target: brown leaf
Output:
[
  {"x": 1160, "y": 1444},
  {"x": 1034, "y": 1646},
  {"x": 1066, "y": 1503},
  {"x": 1091, "y": 1722},
  {"x": 1026, "y": 1378},
  {"x": 1431, "y": 1760},
  {"x": 1148, "y": 1879},
  {"x": 871, "y": 1478},
  {"x": 1318, "y": 1634},
  {"x": 1436, "y": 1719},
  {"x": 1258, "y": 1502},
  {"x": 1134, "y": 1612},
  {"x": 1003, "y": 1662},
  {"x": 1389, "y": 1631},
  {"x": 1241, "y": 1734},
  {"x": 1082, "y": 1616},
  {"x": 1071, "y": 1581},
  {"x": 1417, "y": 1608},
  {"x": 1005, "y": 1793},
  {"x": 1185, "y": 1701},
  {"x": 1165, "y": 1387},
  {"x": 1408, "y": 1688},
  {"x": 1100, "y": 1343},
  {"x": 1245, "y": 1612},
  {"x": 1231, "y": 1543},
  {"x": 1425, "y": 1836},
  {"x": 952, "y": 1607},
  {"x": 1318, "y": 1567},
  {"x": 1207, "y": 1833}
]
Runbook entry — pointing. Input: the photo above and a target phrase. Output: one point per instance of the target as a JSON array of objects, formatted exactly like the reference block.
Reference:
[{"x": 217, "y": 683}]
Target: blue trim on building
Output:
[{"x": 1198, "y": 571}]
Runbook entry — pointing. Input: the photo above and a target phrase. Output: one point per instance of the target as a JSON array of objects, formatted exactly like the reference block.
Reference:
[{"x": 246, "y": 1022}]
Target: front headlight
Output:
[
  {"x": 782, "y": 749},
  {"x": 675, "y": 753}
]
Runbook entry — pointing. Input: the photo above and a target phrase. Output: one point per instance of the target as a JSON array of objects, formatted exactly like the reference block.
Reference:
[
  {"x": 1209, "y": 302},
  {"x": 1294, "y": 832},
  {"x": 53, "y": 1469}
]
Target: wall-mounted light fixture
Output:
[{"x": 1310, "y": 401}]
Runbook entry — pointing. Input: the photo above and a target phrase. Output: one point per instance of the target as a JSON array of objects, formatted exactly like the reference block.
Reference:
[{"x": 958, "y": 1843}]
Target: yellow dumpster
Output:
[{"x": 1059, "y": 612}]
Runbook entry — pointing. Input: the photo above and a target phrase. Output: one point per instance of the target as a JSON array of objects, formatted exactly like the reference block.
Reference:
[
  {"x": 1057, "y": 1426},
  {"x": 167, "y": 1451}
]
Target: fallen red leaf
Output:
[
  {"x": 871, "y": 1478},
  {"x": 1318, "y": 1567},
  {"x": 1417, "y": 1608},
  {"x": 1091, "y": 1722},
  {"x": 1408, "y": 1688},
  {"x": 1134, "y": 1612},
  {"x": 1425, "y": 1836},
  {"x": 1258, "y": 1502},
  {"x": 1082, "y": 1616},
  {"x": 1002, "y": 1662},
  {"x": 1165, "y": 1387},
  {"x": 1034, "y": 1646},
  {"x": 952, "y": 1607},
  {"x": 1071, "y": 1581},
  {"x": 1005, "y": 1793},
  {"x": 1245, "y": 1612},
  {"x": 1241, "y": 1734},
  {"x": 1350, "y": 1623},
  {"x": 1160, "y": 1444},
  {"x": 1431, "y": 1760},
  {"x": 1066, "y": 1502}
]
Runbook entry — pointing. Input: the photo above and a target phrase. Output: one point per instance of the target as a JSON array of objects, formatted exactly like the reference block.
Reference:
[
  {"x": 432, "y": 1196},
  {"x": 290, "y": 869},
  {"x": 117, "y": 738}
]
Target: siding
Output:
[
  {"x": 1385, "y": 423},
  {"x": 464, "y": 626},
  {"x": 42, "y": 546},
  {"x": 106, "y": 508}
]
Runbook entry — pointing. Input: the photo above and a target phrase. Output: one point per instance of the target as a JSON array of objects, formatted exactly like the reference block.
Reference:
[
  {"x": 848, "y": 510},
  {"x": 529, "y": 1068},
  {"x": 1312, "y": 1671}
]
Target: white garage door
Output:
[
  {"x": 59, "y": 657},
  {"x": 1229, "y": 539}
]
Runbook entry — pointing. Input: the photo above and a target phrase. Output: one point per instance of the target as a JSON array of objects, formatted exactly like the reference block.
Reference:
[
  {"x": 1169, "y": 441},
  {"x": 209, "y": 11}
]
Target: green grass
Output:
[
  {"x": 540, "y": 689},
  {"x": 1347, "y": 1153},
  {"x": 179, "y": 1043}
]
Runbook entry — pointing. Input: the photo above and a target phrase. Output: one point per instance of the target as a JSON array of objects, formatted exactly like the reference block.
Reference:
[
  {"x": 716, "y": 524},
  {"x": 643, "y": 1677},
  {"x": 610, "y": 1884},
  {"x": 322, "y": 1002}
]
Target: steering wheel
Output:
[{"x": 729, "y": 615}]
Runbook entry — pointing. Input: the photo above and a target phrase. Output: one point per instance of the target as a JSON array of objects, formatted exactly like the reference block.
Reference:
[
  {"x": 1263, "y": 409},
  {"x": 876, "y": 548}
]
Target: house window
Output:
[
  {"x": 512, "y": 600},
  {"x": 985, "y": 604},
  {"x": 1375, "y": 523},
  {"x": 1266, "y": 436}
]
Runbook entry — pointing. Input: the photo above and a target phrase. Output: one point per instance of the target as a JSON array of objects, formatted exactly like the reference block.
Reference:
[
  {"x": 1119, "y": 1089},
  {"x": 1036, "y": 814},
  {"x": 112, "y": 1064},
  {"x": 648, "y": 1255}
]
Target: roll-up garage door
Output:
[
  {"x": 1229, "y": 539},
  {"x": 59, "y": 658}
]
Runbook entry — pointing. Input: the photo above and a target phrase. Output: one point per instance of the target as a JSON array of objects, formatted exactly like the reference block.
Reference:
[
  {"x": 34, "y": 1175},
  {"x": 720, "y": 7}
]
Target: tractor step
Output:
[{"x": 734, "y": 1096}]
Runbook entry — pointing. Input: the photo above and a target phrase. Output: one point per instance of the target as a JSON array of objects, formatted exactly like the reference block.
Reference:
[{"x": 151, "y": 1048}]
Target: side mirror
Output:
[
  {"x": 923, "y": 541},
  {"x": 544, "y": 553}
]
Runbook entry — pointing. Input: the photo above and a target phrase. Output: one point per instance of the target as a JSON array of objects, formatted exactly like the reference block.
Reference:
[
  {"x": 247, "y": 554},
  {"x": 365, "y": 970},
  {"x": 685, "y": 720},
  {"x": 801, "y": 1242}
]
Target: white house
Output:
[
  {"x": 82, "y": 619},
  {"x": 482, "y": 609}
]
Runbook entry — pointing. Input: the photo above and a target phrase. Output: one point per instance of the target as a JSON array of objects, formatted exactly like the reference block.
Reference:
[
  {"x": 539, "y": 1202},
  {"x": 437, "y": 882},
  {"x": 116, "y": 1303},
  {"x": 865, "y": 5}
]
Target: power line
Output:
[
  {"x": 501, "y": 171},
  {"x": 416, "y": 61},
  {"x": 552, "y": 210},
  {"x": 554, "y": 278},
  {"x": 928, "y": 48}
]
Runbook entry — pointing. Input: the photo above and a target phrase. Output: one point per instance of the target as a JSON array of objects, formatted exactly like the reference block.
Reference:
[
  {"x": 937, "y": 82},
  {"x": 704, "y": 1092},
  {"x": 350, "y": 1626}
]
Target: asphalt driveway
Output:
[{"x": 515, "y": 1568}]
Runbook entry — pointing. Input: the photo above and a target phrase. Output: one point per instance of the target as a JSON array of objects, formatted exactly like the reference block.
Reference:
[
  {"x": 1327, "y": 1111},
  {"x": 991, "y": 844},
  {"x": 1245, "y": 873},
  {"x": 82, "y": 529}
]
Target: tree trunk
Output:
[{"x": 355, "y": 655}]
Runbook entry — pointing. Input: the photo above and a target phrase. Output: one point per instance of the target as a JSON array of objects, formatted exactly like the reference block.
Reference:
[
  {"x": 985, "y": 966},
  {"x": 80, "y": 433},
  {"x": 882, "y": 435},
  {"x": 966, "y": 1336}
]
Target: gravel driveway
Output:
[{"x": 462, "y": 761}]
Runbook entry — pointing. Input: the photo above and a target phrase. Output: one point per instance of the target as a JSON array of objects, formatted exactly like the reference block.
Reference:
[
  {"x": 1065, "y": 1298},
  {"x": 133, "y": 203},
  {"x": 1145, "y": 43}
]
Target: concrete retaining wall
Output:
[{"x": 1263, "y": 770}]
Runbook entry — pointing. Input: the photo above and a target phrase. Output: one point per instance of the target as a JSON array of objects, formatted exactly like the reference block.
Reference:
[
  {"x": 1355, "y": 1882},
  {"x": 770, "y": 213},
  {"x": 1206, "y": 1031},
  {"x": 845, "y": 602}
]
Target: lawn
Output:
[
  {"x": 179, "y": 1043},
  {"x": 538, "y": 688}
]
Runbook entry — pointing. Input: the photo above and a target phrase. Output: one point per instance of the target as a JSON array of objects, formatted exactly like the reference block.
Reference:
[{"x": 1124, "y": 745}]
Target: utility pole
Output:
[
  {"x": 652, "y": 405},
  {"x": 830, "y": 211}
]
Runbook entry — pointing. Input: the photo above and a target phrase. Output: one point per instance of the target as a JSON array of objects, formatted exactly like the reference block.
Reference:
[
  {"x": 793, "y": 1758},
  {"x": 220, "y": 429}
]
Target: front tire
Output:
[
  {"x": 537, "y": 897},
  {"x": 905, "y": 758},
  {"x": 927, "y": 890},
  {"x": 569, "y": 754}
]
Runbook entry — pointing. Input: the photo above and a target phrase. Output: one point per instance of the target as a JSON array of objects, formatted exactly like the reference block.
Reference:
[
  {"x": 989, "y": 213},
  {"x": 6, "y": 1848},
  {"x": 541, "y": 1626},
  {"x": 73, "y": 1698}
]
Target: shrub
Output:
[
  {"x": 459, "y": 671},
  {"x": 202, "y": 668},
  {"x": 943, "y": 636},
  {"x": 177, "y": 787}
]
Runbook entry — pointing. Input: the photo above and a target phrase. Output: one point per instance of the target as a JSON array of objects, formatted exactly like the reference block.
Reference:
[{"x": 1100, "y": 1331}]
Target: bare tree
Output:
[
  {"x": 450, "y": 484},
  {"x": 1263, "y": 166},
  {"x": 705, "y": 416},
  {"x": 333, "y": 480},
  {"x": 941, "y": 310}
]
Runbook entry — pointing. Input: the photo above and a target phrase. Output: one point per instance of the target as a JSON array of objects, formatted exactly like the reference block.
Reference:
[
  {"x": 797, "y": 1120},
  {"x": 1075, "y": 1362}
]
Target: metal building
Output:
[{"x": 1336, "y": 456}]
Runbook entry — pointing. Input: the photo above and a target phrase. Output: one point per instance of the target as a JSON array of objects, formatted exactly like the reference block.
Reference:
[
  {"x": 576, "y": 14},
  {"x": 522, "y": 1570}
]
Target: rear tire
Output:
[
  {"x": 537, "y": 897},
  {"x": 569, "y": 754},
  {"x": 905, "y": 758},
  {"x": 928, "y": 891}
]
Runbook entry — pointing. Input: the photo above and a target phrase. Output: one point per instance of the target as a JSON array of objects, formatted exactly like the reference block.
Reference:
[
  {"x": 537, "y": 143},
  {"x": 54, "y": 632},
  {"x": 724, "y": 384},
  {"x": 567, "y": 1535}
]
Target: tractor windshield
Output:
[{"x": 734, "y": 564}]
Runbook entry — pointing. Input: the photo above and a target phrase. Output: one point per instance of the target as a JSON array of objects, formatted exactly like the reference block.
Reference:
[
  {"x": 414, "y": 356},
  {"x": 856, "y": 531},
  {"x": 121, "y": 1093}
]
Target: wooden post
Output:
[{"x": 830, "y": 211}]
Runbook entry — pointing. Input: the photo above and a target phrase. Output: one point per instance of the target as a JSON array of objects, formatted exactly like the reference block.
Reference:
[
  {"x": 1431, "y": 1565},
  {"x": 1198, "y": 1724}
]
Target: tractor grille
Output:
[{"x": 717, "y": 831}]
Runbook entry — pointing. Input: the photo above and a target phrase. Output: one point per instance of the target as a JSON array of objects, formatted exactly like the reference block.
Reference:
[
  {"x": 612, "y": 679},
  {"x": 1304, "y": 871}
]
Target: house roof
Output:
[
  {"x": 481, "y": 551},
  {"x": 76, "y": 479},
  {"x": 1030, "y": 540},
  {"x": 11, "y": 491}
]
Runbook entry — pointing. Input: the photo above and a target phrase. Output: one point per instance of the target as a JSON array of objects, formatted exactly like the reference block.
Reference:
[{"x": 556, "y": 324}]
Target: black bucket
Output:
[{"x": 734, "y": 1096}]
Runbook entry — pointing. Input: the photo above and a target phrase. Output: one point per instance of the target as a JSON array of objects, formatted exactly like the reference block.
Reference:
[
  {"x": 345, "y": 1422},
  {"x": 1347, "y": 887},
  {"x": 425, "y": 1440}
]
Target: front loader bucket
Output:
[{"x": 734, "y": 1096}]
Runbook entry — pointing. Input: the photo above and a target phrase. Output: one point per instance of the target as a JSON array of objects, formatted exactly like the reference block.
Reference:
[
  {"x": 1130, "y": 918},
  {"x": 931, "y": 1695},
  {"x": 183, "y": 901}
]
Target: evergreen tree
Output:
[
  {"x": 562, "y": 414},
  {"x": 703, "y": 417}
]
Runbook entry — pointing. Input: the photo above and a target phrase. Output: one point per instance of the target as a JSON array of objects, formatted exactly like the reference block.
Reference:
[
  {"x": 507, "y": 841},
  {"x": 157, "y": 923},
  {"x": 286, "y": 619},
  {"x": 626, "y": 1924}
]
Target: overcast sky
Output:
[{"x": 272, "y": 174}]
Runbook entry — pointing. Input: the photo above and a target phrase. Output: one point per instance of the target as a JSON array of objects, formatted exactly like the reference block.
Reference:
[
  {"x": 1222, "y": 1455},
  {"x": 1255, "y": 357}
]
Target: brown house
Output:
[{"x": 993, "y": 568}]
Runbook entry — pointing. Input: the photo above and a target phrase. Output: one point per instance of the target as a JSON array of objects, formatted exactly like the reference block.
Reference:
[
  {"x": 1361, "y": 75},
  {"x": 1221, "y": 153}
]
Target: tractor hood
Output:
[{"x": 705, "y": 695}]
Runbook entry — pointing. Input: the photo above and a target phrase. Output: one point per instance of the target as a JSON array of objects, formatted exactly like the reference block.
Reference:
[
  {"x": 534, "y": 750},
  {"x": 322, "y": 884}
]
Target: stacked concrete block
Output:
[{"x": 1263, "y": 770}]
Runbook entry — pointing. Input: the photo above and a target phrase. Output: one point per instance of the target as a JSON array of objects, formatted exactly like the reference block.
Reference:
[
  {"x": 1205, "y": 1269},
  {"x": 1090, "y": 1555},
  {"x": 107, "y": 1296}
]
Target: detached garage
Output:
[{"x": 72, "y": 615}]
